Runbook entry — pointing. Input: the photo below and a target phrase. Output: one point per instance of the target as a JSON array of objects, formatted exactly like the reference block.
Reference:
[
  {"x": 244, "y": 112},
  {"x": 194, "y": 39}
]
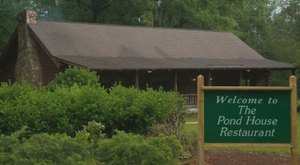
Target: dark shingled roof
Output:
[{"x": 112, "y": 47}]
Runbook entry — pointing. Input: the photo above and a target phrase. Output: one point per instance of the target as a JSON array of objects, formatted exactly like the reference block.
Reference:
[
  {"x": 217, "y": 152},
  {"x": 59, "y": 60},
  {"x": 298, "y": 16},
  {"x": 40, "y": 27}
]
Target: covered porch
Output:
[{"x": 184, "y": 81}]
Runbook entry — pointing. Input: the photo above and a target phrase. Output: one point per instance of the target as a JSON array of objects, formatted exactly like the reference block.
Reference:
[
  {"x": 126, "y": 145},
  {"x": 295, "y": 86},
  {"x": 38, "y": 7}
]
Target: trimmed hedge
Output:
[
  {"x": 135, "y": 149},
  {"x": 65, "y": 108},
  {"x": 122, "y": 148}
]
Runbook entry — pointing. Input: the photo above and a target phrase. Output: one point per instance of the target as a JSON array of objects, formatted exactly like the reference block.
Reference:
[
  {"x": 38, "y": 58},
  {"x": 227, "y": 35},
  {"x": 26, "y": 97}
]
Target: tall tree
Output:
[
  {"x": 253, "y": 19},
  {"x": 84, "y": 10},
  {"x": 284, "y": 42},
  {"x": 130, "y": 12},
  {"x": 7, "y": 13},
  {"x": 9, "y": 10},
  {"x": 202, "y": 14}
]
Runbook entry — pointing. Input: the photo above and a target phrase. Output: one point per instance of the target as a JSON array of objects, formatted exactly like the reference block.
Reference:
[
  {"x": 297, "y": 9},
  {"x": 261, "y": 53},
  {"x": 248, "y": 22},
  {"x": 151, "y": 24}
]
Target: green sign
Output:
[{"x": 247, "y": 116}]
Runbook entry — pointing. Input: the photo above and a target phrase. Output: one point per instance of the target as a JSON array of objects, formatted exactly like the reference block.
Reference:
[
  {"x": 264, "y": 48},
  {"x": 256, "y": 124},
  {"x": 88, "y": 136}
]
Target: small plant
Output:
[{"x": 93, "y": 132}]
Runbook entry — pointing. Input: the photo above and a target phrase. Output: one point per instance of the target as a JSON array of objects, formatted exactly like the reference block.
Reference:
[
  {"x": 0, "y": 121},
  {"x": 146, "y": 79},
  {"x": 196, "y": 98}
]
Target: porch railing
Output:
[{"x": 191, "y": 100}]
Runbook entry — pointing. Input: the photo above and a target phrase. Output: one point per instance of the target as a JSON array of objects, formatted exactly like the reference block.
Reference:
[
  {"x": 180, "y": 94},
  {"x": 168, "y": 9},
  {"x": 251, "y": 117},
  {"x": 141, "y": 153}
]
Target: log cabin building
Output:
[{"x": 133, "y": 56}]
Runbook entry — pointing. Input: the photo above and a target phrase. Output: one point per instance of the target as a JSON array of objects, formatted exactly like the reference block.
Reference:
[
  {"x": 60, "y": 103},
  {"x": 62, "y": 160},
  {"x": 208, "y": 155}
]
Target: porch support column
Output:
[
  {"x": 267, "y": 78},
  {"x": 294, "y": 72},
  {"x": 248, "y": 77},
  {"x": 136, "y": 84},
  {"x": 209, "y": 78},
  {"x": 175, "y": 81},
  {"x": 241, "y": 77}
]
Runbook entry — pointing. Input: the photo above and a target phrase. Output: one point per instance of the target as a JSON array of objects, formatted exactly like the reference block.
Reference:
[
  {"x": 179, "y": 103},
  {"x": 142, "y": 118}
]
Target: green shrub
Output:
[
  {"x": 49, "y": 112},
  {"x": 137, "y": 111},
  {"x": 46, "y": 149},
  {"x": 65, "y": 108},
  {"x": 40, "y": 110},
  {"x": 63, "y": 111},
  {"x": 122, "y": 148},
  {"x": 136, "y": 150},
  {"x": 163, "y": 112},
  {"x": 75, "y": 76},
  {"x": 11, "y": 92},
  {"x": 85, "y": 104},
  {"x": 121, "y": 115},
  {"x": 8, "y": 145},
  {"x": 14, "y": 105}
]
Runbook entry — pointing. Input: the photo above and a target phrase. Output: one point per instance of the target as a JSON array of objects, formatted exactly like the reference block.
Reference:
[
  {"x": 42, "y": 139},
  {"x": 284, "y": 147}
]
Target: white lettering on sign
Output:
[
  {"x": 238, "y": 100},
  {"x": 244, "y": 109},
  {"x": 252, "y": 120},
  {"x": 246, "y": 115},
  {"x": 225, "y": 131},
  {"x": 226, "y": 121}
]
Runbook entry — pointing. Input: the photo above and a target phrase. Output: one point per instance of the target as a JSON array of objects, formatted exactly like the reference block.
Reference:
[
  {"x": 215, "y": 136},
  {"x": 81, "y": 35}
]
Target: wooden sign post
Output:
[{"x": 239, "y": 116}]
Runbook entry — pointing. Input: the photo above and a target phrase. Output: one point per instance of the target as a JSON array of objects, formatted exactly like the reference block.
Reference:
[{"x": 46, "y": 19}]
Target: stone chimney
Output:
[
  {"x": 28, "y": 66},
  {"x": 31, "y": 17},
  {"x": 28, "y": 17}
]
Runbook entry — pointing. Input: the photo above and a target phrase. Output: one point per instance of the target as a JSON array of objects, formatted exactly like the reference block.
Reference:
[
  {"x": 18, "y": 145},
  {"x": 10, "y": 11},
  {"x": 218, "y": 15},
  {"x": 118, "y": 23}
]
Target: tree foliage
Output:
[
  {"x": 8, "y": 18},
  {"x": 84, "y": 10},
  {"x": 271, "y": 27}
]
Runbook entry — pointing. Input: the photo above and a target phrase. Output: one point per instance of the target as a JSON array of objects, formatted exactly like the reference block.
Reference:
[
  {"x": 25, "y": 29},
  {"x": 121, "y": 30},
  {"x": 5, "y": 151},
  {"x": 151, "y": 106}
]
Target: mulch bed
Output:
[{"x": 241, "y": 158}]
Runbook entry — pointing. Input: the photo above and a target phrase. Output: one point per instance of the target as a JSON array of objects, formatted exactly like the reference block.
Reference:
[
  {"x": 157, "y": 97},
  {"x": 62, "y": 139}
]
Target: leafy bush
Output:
[
  {"x": 122, "y": 148},
  {"x": 74, "y": 99},
  {"x": 84, "y": 104},
  {"x": 75, "y": 76},
  {"x": 65, "y": 108},
  {"x": 45, "y": 149},
  {"x": 136, "y": 150},
  {"x": 40, "y": 110},
  {"x": 13, "y": 106},
  {"x": 11, "y": 92},
  {"x": 138, "y": 111}
]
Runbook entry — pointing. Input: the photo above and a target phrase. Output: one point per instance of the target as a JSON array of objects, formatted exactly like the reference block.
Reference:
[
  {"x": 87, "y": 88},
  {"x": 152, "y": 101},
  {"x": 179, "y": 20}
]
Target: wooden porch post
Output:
[
  {"x": 241, "y": 77},
  {"x": 137, "y": 79},
  {"x": 247, "y": 77},
  {"x": 267, "y": 78},
  {"x": 175, "y": 81},
  {"x": 294, "y": 72},
  {"x": 209, "y": 78}
]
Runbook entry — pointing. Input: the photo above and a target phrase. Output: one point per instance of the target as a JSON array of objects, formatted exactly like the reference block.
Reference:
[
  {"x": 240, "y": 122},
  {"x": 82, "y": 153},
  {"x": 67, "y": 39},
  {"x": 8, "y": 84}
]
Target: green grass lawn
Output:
[{"x": 192, "y": 129}]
